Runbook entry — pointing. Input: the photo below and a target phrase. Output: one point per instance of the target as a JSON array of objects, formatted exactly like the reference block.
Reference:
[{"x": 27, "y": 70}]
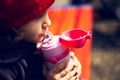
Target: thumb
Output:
[{"x": 60, "y": 66}]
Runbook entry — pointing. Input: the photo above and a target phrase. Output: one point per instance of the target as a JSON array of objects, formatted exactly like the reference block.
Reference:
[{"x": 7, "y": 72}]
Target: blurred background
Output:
[{"x": 105, "y": 63}]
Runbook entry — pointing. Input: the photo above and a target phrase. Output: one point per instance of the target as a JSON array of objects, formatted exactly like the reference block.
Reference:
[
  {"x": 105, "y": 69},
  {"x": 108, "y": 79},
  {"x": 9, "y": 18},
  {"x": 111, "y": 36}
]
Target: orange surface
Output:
[{"x": 75, "y": 17}]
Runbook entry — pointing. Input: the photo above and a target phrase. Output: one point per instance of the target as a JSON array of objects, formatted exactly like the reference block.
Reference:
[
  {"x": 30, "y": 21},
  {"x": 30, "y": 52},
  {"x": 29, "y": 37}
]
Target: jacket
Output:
[{"x": 19, "y": 61}]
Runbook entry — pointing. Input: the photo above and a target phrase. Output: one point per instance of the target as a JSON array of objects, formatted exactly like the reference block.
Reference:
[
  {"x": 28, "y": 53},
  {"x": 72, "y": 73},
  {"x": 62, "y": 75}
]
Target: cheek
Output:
[
  {"x": 33, "y": 35},
  {"x": 29, "y": 35},
  {"x": 32, "y": 31}
]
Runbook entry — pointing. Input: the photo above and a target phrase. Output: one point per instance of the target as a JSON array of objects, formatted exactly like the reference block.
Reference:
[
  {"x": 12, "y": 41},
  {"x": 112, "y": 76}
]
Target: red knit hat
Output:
[{"x": 16, "y": 13}]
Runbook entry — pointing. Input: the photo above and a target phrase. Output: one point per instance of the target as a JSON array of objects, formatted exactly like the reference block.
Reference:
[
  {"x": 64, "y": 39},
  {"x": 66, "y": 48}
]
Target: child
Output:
[{"x": 23, "y": 23}]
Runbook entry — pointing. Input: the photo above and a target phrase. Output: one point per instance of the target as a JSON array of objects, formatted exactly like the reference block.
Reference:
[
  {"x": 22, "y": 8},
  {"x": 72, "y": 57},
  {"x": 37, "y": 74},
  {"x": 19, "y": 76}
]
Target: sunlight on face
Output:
[{"x": 36, "y": 30}]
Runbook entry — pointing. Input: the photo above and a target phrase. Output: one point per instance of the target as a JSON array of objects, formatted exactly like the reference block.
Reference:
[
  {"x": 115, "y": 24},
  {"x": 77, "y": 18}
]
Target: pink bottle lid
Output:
[
  {"x": 75, "y": 38},
  {"x": 53, "y": 50}
]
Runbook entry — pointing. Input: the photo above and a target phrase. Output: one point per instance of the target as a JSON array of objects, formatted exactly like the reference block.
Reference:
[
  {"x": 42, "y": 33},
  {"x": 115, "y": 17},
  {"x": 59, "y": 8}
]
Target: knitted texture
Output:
[{"x": 16, "y": 13}]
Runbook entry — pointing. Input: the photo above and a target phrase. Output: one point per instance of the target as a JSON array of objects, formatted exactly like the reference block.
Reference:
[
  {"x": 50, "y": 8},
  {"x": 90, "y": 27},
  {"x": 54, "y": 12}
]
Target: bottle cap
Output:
[{"x": 75, "y": 38}]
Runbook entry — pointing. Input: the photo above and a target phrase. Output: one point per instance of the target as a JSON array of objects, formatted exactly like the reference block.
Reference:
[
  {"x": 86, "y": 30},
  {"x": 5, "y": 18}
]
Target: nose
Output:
[{"x": 46, "y": 23}]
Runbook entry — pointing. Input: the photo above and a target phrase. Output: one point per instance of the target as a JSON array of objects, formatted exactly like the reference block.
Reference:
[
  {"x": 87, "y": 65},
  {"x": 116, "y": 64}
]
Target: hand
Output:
[{"x": 64, "y": 71}]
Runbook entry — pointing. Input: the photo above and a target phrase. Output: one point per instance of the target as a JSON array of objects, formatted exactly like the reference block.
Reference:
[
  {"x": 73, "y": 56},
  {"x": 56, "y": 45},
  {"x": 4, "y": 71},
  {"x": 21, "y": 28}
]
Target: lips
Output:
[{"x": 41, "y": 37}]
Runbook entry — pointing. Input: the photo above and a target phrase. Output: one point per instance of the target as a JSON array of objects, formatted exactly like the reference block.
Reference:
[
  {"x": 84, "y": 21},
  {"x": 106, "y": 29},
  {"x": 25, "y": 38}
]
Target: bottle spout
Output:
[
  {"x": 89, "y": 35},
  {"x": 48, "y": 36}
]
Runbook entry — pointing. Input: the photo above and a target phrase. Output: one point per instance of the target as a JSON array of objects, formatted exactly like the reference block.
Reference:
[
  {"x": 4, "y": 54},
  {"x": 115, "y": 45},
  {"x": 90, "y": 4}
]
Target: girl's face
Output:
[{"x": 36, "y": 30}]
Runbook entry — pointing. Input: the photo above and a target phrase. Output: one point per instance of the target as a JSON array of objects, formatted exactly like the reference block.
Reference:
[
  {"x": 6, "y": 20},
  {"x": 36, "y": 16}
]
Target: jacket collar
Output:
[{"x": 13, "y": 52}]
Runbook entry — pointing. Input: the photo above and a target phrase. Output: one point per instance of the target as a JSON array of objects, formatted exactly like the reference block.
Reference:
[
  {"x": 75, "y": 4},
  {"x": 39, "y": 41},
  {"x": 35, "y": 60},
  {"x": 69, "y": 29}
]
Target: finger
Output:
[
  {"x": 63, "y": 73},
  {"x": 72, "y": 74},
  {"x": 78, "y": 66},
  {"x": 59, "y": 67},
  {"x": 74, "y": 78},
  {"x": 46, "y": 73},
  {"x": 77, "y": 63},
  {"x": 68, "y": 76},
  {"x": 67, "y": 69},
  {"x": 53, "y": 74},
  {"x": 72, "y": 54},
  {"x": 78, "y": 71}
]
